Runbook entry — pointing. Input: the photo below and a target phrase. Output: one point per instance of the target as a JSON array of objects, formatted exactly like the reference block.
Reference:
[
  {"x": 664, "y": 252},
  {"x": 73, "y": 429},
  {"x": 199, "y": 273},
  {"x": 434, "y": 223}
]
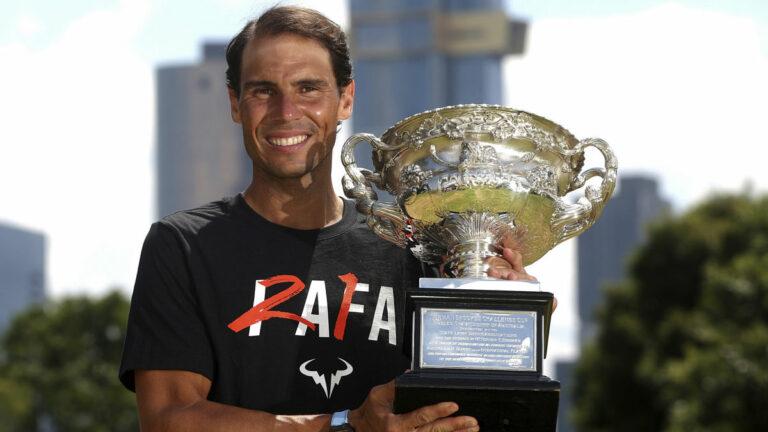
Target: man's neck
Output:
[{"x": 308, "y": 202}]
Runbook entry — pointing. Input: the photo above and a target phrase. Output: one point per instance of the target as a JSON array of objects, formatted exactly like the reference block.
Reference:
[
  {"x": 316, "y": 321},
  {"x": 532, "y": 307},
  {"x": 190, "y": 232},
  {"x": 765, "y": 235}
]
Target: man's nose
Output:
[{"x": 285, "y": 107}]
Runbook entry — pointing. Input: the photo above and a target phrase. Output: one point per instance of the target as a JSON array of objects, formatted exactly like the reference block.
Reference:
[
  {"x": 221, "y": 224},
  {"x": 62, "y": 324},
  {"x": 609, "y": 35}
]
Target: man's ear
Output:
[
  {"x": 346, "y": 101},
  {"x": 234, "y": 104}
]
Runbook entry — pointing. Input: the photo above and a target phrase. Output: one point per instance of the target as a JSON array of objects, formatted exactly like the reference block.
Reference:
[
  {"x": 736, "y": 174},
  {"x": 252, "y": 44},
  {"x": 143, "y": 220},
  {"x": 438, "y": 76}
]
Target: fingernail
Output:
[{"x": 450, "y": 406}]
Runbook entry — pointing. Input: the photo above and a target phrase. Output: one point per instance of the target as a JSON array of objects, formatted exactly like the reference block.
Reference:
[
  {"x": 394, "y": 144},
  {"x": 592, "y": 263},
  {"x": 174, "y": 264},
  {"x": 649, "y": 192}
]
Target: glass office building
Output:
[
  {"x": 22, "y": 267},
  {"x": 200, "y": 152},
  {"x": 415, "y": 55}
]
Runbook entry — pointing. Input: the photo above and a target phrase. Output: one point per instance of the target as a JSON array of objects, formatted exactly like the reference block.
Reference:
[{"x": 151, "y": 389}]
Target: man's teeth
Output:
[{"x": 289, "y": 141}]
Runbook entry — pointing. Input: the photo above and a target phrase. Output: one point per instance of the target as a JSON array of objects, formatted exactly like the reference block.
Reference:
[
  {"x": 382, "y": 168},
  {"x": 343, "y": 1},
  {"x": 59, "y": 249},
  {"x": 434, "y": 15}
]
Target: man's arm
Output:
[{"x": 174, "y": 400}]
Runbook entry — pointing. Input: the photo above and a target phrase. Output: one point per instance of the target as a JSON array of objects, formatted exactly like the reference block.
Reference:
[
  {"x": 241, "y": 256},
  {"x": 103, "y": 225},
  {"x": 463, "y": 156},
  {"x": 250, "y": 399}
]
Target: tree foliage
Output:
[
  {"x": 683, "y": 342},
  {"x": 58, "y": 364}
]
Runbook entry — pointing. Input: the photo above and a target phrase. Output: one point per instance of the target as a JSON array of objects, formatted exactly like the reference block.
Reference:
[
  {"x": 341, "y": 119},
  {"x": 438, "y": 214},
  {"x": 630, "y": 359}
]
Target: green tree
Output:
[
  {"x": 58, "y": 363},
  {"x": 683, "y": 342}
]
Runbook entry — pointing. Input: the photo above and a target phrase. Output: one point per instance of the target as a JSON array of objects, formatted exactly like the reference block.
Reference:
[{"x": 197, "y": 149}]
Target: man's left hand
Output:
[{"x": 508, "y": 266}]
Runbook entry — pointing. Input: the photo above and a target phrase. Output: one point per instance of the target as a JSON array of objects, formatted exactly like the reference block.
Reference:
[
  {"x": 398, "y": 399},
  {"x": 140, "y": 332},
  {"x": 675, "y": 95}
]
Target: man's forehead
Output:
[
  {"x": 289, "y": 55},
  {"x": 270, "y": 40}
]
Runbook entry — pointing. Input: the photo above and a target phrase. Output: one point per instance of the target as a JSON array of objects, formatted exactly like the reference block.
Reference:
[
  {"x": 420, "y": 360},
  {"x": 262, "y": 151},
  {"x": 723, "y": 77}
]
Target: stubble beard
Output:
[{"x": 307, "y": 174}]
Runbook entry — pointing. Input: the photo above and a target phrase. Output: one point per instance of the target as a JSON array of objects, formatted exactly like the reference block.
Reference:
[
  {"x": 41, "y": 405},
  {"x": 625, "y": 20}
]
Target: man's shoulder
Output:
[
  {"x": 207, "y": 225},
  {"x": 200, "y": 216}
]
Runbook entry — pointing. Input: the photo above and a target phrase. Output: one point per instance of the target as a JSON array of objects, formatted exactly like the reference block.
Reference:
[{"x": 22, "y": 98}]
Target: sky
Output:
[{"x": 678, "y": 89}]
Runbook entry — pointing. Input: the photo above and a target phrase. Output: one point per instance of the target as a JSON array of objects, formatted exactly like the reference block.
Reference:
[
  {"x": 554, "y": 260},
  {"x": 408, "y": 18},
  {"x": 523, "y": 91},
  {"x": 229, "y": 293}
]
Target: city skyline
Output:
[{"x": 76, "y": 150}]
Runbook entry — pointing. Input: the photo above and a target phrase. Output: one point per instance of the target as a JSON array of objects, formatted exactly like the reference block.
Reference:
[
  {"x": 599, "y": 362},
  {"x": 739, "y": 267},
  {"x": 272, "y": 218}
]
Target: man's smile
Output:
[{"x": 287, "y": 141}]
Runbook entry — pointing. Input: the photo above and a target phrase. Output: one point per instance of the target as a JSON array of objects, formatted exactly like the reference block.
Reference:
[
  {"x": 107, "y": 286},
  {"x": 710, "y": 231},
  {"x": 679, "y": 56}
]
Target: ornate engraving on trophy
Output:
[
  {"x": 473, "y": 153},
  {"x": 478, "y": 160},
  {"x": 542, "y": 180},
  {"x": 499, "y": 125},
  {"x": 414, "y": 177}
]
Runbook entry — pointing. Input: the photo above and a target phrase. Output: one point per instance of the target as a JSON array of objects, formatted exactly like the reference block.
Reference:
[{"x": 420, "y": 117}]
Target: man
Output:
[{"x": 271, "y": 309}]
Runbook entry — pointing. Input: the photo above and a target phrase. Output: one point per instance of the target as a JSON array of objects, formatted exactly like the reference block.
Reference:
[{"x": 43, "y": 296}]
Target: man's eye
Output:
[
  {"x": 308, "y": 89},
  {"x": 262, "y": 92}
]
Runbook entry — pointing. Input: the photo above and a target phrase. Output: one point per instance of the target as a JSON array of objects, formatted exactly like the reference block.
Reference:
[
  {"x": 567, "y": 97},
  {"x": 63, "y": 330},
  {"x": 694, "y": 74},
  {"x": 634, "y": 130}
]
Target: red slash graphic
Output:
[
  {"x": 341, "y": 321},
  {"x": 263, "y": 312}
]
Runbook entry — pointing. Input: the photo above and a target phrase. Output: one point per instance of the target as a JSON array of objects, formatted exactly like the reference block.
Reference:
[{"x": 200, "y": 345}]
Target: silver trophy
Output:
[
  {"x": 466, "y": 179},
  {"x": 466, "y": 176}
]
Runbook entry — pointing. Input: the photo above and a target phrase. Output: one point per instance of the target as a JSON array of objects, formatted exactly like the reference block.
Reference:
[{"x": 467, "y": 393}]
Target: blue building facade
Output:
[
  {"x": 200, "y": 155},
  {"x": 604, "y": 249},
  {"x": 415, "y": 55},
  {"x": 22, "y": 271}
]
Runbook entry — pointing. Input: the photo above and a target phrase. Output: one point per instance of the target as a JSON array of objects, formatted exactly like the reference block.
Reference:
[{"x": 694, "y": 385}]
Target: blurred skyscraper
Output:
[
  {"x": 200, "y": 153},
  {"x": 603, "y": 254},
  {"x": 411, "y": 56},
  {"x": 604, "y": 249},
  {"x": 22, "y": 271}
]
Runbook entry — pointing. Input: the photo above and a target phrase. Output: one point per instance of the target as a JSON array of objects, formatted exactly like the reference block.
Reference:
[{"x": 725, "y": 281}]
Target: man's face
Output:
[{"x": 289, "y": 105}]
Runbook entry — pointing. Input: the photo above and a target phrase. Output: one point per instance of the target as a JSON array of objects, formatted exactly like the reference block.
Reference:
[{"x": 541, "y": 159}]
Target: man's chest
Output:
[{"x": 322, "y": 341}]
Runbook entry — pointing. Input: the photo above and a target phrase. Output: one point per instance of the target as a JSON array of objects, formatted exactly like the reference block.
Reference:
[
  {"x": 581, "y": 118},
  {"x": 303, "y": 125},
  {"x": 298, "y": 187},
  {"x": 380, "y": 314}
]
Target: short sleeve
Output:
[{"x": 165, "y": 328}]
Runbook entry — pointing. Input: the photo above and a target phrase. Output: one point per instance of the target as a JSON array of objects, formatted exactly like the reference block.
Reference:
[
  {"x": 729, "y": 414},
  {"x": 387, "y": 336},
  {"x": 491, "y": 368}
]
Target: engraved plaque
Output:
[{"x": 478, "y": 339}]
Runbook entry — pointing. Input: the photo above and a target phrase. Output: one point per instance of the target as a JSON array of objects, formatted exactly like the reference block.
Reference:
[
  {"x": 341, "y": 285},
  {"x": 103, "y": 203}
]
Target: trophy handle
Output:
[
  {"x": 385, "y": 219},
  {"x": 570, "y": 220}
]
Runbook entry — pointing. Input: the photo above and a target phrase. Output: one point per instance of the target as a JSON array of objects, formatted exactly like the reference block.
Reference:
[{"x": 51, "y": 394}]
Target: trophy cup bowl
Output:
[
  {"x": 466, "y": 176},
  {"x": 466, "y": 179}
]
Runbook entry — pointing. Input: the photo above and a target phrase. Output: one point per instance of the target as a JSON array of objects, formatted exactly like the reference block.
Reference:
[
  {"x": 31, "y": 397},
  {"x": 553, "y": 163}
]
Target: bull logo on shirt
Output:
[{"x": 319, "y": 378}]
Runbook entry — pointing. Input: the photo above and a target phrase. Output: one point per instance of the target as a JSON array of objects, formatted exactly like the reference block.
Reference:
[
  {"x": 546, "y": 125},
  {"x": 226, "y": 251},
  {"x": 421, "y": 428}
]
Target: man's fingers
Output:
[
  {"x": 515, "y": 258},
  {"x": 497, "y": 262},
  {"x": 429, "y": 414},
  {"x": 510, "y": 241},
  {"x": 451, "y": 424},
  {"x": 509, "y": 274},
  {"x": 498, "y": 273}
]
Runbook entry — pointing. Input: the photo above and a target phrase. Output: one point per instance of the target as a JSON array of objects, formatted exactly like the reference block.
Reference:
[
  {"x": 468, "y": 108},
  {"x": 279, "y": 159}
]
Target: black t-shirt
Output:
[{"x": 222, "y": 292}]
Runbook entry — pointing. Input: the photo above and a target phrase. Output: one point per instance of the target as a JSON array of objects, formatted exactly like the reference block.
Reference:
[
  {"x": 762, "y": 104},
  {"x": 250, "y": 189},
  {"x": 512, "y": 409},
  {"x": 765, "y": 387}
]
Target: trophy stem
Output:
[
  {"x": 467, "y": 259},
  {"x": 471, "y": 237}
]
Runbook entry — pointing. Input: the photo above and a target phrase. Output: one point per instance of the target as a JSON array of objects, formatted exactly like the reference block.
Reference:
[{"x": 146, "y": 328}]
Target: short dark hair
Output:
[{"x": 300, "y": 21}]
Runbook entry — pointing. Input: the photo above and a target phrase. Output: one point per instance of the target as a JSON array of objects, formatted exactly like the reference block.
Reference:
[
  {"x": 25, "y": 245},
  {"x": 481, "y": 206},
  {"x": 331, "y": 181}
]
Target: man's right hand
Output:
[
  {"x": 175, "y": 400},
  {"x": 375, "y": 415}
]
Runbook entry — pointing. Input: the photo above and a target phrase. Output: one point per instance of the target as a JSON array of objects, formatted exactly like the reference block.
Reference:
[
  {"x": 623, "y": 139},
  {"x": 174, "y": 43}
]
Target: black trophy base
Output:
[{"x": 500, "y": 404}]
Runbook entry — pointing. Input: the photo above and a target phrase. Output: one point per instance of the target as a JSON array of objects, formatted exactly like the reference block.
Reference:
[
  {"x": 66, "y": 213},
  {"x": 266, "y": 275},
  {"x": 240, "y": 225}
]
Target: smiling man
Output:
[
  {"x": 273, "y": 309},
  {"x": 289, "y": 105}
]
